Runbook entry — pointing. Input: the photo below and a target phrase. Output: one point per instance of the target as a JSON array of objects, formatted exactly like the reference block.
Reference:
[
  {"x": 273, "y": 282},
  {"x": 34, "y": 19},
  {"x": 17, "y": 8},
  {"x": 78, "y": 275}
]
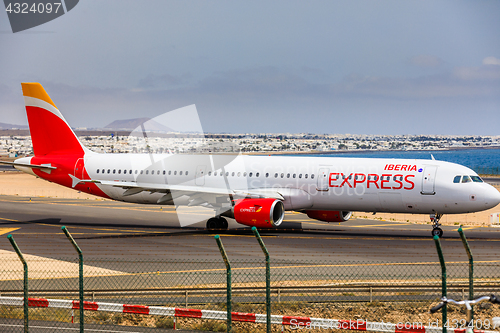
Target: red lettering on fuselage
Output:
[
  {"x": 346, "y": 181},
  {"x": 374, "y": 181},
  {"x": 384, "y": 181},
  {"x": 400, "y": 167}
]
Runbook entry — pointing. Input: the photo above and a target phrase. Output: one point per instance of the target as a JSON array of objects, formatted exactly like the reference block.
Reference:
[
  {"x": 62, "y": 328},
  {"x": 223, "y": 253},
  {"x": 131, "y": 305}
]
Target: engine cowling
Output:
[
  {"x": 329, "y": 215},
  {"x": 260, "y": 213}
]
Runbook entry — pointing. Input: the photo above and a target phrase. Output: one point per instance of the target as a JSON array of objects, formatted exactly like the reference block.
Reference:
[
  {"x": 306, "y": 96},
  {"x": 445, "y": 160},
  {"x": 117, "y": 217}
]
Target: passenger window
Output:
[
  {"x": 257, "y": 174},
  {"x": 312, "y": 176},
  {"x": 275, "y": 175},
  {"x": 456, "y": 180},
  {"x": 287, "y": 175},
  {"x": 300, "y": 175},
  {"x": 180, "y": 173},
  {"x": 175, "y": 173},
  {"x": 227, "y": 174},
  {"x": 114, "y": 170},
  {"x": 239, "y": 174},
  {"x": 124, "y": 172},
  {"x": 232, "y": 175},
  {"x": 136, "y": 172},
  {"x": 130, "y": 172},
  {"x": 215, "y": 173},
  {"x": 210, "y": 173},
  {"x": 147, "y": 172},
  {"x": 282, "y": 175},
  {"x": 305, "y": 176},
  {"x": 293, "y": 175},
  {"x": 186, "y": 173},
  {"x": 142, "y": 171},
  {"x": 250, "y": 174},
  {"x": 103, "y": 171},
  {"x": 164, "y": 172},
  {"x": 109, "y": 170},
  {"x": 466, "y": 179},
  {"x": 169, "y": 172},
  {"x": 158, "y": 172},
  {"x": 267, "y": 175},
  {"x": 476, "y": 179},
  {"x": 97, "y": 170},
  {"x": 244, "y": 174}
]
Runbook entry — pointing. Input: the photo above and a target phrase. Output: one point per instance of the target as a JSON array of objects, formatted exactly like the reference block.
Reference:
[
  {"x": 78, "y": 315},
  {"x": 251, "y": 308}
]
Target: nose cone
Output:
[{"x": 492, "y": 197}]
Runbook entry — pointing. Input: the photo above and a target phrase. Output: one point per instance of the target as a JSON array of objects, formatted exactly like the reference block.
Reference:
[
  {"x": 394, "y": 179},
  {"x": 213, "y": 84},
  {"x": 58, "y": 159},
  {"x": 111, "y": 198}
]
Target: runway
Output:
[{"x": 105, "y": 229}]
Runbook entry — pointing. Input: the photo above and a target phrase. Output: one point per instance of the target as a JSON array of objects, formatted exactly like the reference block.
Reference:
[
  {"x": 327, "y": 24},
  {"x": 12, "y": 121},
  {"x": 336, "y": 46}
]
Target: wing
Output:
[{"x": 198, "y": 195}]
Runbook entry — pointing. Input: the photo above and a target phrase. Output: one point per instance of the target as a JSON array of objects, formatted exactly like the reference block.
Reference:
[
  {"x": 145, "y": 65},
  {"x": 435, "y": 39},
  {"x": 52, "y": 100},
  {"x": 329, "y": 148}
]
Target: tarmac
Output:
[{"x": 115, "y": 229}]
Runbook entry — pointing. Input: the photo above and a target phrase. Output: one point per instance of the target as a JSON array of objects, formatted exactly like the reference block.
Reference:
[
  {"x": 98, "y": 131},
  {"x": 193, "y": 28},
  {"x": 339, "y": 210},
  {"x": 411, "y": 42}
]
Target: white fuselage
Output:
[{"x": 305, "y": 183}]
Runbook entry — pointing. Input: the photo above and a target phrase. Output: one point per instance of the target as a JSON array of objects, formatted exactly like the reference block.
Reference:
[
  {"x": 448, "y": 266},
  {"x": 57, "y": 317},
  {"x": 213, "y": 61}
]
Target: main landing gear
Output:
[
  {"x": 436, "y": 230},
  {"x": 217, "y": 222}
]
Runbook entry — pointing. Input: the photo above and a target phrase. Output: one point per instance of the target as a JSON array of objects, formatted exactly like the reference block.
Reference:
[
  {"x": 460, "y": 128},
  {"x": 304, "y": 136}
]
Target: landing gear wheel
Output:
[
  {"x": 437, "y": 232},
  {"x": 213, "y": 223},
  {"x": 224, "y": 224},
  {"x": 217, "y": 223}
]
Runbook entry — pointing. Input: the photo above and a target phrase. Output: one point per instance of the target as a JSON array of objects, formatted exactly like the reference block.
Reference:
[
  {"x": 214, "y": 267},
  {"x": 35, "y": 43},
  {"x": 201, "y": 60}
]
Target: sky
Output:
[{"x": 324, "y": 67}]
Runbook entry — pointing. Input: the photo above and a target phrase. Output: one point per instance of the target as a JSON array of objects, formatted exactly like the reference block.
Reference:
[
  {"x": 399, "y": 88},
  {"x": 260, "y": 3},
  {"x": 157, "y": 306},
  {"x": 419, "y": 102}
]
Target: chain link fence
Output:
[{"x": 372, "y": 291}]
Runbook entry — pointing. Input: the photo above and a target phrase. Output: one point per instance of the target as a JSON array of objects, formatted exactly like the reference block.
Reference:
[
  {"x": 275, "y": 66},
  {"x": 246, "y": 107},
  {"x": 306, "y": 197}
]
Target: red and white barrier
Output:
[{"x": 293, "y": 321}]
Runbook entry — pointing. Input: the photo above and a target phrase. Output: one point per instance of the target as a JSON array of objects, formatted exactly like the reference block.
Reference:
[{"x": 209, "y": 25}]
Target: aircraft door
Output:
[
  {"x": 200, "y": 175},
  {"x": 429, "y": 180},
  {"x": 79, "y": 167},
  {"x": 322, "y": 184}
]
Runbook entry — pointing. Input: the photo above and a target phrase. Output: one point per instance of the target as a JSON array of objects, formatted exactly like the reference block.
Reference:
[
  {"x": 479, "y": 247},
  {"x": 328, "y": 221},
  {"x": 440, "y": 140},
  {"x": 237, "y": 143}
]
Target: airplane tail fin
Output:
[{"x": 50, "y": 133}]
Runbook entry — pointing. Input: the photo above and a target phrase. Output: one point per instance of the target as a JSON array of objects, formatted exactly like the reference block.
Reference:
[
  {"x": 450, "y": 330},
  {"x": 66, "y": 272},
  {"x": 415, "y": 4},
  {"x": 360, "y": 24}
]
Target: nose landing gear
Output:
[{"x": 436, "y": 230}]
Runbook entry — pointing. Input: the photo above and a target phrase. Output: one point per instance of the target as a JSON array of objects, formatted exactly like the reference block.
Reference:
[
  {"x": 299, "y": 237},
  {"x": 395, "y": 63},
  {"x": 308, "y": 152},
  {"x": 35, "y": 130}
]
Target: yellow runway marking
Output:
[
  {"x": 376, "y": 225},
  {"x": 4, "y": 231},
  {"x": 273, "y": 267},
  {"x": 12, "y": 220}
]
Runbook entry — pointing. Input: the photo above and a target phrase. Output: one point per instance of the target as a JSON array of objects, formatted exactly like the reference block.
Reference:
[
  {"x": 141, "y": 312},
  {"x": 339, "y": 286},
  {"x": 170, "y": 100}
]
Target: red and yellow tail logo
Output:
[{"x": 50, "y": 133}]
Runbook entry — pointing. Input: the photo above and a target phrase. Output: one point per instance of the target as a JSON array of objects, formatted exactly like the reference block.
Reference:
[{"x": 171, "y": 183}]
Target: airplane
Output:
[{"x": 253, "y": 190}]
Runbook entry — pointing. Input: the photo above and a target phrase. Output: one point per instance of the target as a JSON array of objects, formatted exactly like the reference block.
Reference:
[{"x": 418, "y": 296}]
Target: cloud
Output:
[
  {"x": 163, "y": 81},
  {"x": 426, "y": 61},
  {"x": 482, "y": 73},
  {"x": 491, "y": 61}
]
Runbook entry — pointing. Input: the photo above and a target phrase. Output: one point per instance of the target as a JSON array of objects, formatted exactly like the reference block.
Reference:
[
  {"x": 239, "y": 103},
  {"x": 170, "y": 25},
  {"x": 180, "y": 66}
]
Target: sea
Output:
[{"x": 483, "y": 161}]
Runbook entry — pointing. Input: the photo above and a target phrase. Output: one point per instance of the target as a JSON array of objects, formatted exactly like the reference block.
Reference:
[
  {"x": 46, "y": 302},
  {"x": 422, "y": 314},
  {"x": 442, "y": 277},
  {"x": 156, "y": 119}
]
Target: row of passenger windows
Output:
[
  {"x": 467, "y": 179},
  {"x": 257, "y": 174},
  {"x": 210, "y": 173},
  {"x": 157, "y": 172}
]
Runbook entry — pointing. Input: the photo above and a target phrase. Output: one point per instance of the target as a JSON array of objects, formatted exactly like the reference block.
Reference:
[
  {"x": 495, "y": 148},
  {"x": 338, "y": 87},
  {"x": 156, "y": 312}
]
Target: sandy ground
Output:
[{"x": 15, "y": 183}]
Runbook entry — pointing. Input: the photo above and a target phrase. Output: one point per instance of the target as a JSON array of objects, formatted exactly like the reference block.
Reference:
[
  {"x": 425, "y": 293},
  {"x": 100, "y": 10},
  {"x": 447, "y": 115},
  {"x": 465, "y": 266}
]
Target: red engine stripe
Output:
[
  {"x": 296, "y": 320},
  {"x": 38, "y": 302},
  {"x": 140, "y": 309},
  {"x": 247, "y": 317},
  {"x": 93, "y": 306},
  {"x": 188, "y": 313}
]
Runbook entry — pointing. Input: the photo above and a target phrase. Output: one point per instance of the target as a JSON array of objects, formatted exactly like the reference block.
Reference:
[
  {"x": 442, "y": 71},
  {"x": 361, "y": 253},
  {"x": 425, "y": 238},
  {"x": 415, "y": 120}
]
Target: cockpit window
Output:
[
  {"x": 476, "y": 179},
  {"x": 466, "y": 179},
  {"x": 457, "y": 179}
]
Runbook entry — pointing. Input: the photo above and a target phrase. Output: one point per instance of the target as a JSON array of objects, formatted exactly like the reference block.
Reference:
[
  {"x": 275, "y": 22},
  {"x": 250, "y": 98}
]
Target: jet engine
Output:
[
  {"x": 329, "y": 215},
  {"x": 260, "y": 213}
]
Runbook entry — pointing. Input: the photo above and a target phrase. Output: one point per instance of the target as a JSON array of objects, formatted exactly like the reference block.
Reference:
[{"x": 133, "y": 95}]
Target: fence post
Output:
[
  {"x": 80, "y": 275},
  {"x": 443, "y": 278},
  {"x": 228, "y": 283},
  {"x": 268, "y": 279},
  {"x": 25, "y": 265},
  {"x": 471, "y": 268}
]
